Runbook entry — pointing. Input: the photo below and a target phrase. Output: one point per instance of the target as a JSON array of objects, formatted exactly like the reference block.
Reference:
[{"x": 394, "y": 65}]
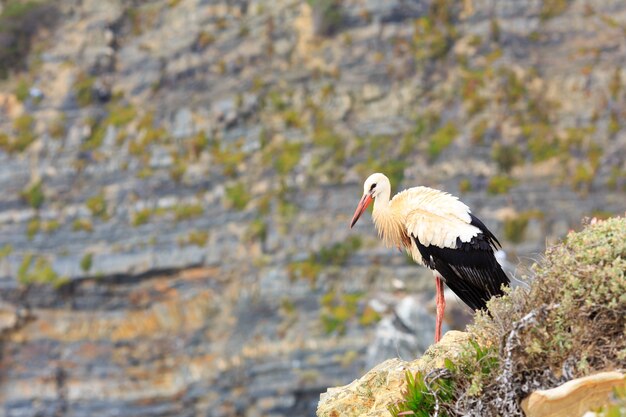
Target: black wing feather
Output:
[{"x": 470, "y": 270}]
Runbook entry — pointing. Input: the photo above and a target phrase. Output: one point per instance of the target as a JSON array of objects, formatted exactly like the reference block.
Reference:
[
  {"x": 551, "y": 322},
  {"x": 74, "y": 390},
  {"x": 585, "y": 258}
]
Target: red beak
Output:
[{"x": 365, "y": 201}]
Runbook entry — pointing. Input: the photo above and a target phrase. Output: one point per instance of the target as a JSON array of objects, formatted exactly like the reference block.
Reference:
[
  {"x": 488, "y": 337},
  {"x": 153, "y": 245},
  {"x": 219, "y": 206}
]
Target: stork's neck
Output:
[
  {"x": 387, "y": 221},
  {"x": 382, "y": 200}
]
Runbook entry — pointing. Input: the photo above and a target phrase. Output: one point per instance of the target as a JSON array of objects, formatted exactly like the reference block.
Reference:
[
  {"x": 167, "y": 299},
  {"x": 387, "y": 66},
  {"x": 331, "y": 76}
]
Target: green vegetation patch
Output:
[
  {"x": 38, "y": 270},
  {"x": 338, "y": 310},
  {"x": 121, "y": 115},
  {"x": 97, "y": 205},
  {"x": 82, "y": 225},
  {"x": 195, "y": 237},
  {"x": 34, "y": 195},
  {"x": 5, "y": 251},
  {"x": 552, "y": 8},
  {"x": 336, "y": 254},
  {"x": 188, "y": 211},
  {"x": 23, "y": 136},
  {"x": 83, "y": 88},
  {"x": 515, "y": 226},
  {"x": 86, "y": 262},
  {"x": 288, "y": 158},
  {"x": 500, "y": 184},
  {"x": 441, "y": 139},
  {"x": 229, "y": 157},
  {"x": 237, "y": 196}
]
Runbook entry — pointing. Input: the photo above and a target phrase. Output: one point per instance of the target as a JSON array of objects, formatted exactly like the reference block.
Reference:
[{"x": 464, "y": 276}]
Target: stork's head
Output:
[{"x": 375, "y": 185}]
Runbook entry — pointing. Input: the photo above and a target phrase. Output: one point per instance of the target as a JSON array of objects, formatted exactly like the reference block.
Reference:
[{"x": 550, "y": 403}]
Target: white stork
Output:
[{"x": 440, "y": 232}]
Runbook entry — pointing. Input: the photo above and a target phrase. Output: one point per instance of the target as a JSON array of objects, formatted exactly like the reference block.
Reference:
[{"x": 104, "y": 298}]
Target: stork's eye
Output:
[{"x": 372, "y": 187}]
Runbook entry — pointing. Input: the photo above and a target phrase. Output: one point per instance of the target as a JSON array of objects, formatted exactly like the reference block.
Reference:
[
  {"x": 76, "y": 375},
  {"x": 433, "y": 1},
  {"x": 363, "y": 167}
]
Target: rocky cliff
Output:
[{"x": 177, "y": 177}]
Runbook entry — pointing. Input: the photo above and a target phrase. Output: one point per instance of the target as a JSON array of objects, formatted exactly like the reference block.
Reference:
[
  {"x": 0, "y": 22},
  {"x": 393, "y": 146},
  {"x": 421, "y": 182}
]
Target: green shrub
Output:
[
  {"x": 229, "y": 158},
  {"x": 83, "y": 225},
  {"x": 22, "y": 90},
  {"x": 33, "y": 227},
  {"x": 337, "y": 310},
  {"x": 308, "y": 269},
  {"x": 121, "y": 115},
  {"x": 96, "y": 138},
  {"x": 178, "y": 169},
  {"x": 506, "y": 156},
  {"x": 141, "y": 217},
  {"x": 34, "y": 195},
  {"x": 257, "y": 230},
  {"x": 238, "y": 196},
  {"x": 5, "y": 251},
  {"x": 198, "y": 143},
  {"x": 203, "y": 40},
  {"x": 369, "y": 317},
  {"x": 23, "y": 137},
  {"x": 37, "y": 270},
  {"x": 57, "y": 128},
  {"x": 197, "y": 238},
  {"x": 441, "y": 139},
  {"x": 514, "y": 89},
  {"x": 515, "y": 227},
  {"x": 582, "y": 178},
  {"x": 288, "y": 158},
  {"x": 615, "y": 84},
  {"x": 614, "y": 125},
  {"x": 84, "y": 90},
  {"x": 421, "y": 397},
  {"x": 465, "y": 185},
  {"x": 188, "y": 211},
  {"x": 339, "y": 253},
  {"x": 500, "y": 184},
  {"x": 542, "y": 142},
  {"x": 552, "y": 8},
  {"x": 86, "y": 262},
  {"x": 97, "y": 205},
  {"x": 23, "y": 123},
  {"x": 478, "y": 131},
  {"x": 50, "y": 226},
  {"x": 293, "y": 119}
]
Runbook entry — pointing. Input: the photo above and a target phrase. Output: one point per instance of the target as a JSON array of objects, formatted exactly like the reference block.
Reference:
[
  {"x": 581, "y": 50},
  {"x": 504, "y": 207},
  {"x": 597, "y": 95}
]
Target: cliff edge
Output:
[{"x": 566, "y": 325}]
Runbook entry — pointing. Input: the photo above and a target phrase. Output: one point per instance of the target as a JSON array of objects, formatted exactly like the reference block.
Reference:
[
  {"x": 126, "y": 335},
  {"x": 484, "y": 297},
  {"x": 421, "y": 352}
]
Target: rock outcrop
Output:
[
  {"x": 553, "y": 349},
  {"x": 373, "y": 393},
  {"x": 575, "y": 397}
]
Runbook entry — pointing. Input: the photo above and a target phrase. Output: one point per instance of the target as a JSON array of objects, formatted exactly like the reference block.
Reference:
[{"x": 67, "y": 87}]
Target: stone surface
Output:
[
  {"x": 370, "y": 395},
  {"x": 406, "y": 333},
  {"x": 574, "y": 398}
]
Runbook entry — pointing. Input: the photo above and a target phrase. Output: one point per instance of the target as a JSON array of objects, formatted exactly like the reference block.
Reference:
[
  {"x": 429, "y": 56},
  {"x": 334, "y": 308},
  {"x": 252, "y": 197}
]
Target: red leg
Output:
[{"x": 441, "y": 307}]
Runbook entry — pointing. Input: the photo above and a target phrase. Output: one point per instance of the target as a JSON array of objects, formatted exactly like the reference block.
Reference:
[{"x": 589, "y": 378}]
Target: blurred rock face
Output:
[
  {"x": 184, "y": 173},
  {"x": 405, "y": 334}
]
